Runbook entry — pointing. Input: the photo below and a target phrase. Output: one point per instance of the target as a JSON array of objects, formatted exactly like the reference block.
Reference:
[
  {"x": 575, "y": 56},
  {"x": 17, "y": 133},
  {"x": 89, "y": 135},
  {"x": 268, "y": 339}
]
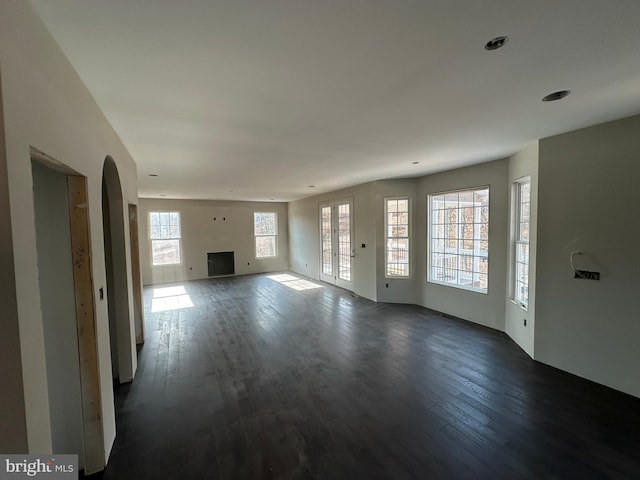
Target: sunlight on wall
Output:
[
  {"x": 294, "y": 282},
  {"x": 170, "y": 298}
]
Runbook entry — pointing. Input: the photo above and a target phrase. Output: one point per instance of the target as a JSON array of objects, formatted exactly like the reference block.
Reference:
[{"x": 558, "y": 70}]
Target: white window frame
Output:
[
  {"x": 452, "y": 257},
  {"x": 390, "y": 238},
  {"x": 518, "y": 242},
  {"x": 257, "y": 235},
  {"x": 173, "y": 234}
]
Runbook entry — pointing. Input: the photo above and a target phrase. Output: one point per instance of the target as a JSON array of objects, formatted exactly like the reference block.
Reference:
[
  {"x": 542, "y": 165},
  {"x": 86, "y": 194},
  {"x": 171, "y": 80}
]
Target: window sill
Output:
[
  {"x": 519, "y": 305},
  {"x": 459, "y": 287}
]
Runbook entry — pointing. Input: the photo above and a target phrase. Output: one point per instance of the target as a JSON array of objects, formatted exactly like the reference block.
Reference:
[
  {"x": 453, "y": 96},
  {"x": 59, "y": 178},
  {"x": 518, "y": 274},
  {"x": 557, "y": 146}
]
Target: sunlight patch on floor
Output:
[
  {"x": 294, "y": 282},
  {"x": 170, "y": 298}
]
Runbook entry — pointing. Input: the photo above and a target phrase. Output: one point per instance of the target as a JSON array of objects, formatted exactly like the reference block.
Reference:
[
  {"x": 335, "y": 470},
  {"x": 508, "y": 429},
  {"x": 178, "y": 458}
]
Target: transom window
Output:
[
  {"x": 522, "y": 211},
  {"x": 459, "y": 239},
  {"x": 165, "y": 235},
  {"x": 397, "y": 233},
  {"x": 265, "y": 227}
]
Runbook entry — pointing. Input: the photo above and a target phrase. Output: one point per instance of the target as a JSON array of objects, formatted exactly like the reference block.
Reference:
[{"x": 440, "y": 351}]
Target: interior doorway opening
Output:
[
  {"x": 121, "y": 331},
  {"x": 68, "y": 311}
]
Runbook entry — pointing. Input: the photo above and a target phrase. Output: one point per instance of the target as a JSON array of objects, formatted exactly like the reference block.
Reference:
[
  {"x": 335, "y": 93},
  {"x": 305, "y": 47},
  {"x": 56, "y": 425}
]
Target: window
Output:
[
  {"x": 522, "y": 204},
  {"x": 344, "y": 241},
  {"x": 397, "y": 245},
  {"x": 265, "y": 227},
  {"x": 164, "y": 233},
  {"x": 459, "y": 239},
  {"x": 326, "y": 234}
]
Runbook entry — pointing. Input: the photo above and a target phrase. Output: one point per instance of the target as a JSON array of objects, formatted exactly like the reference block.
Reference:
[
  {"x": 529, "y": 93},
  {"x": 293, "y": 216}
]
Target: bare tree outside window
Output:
[
  {"x": 265, "y": 227},
  {"x": 521, "y": 242},
  {"x": 165, "y": 235},
  {"x": 397, "y": 233},
  {"x": 459, "y": 239}
]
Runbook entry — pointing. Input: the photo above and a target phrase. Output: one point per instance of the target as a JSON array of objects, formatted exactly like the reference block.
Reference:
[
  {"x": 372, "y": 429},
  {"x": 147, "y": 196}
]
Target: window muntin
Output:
[
  {"x": 522, "y": 218},
  {"x": 165, "y": 235},
  {"x": 265, "y": 228},
  {"x": 459, "y": 239},
  {"x": 397, "y": 237}
]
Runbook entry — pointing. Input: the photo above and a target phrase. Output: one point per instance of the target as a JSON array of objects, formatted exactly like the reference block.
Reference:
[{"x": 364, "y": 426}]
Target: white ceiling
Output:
[{"x": 259, "y": 99}]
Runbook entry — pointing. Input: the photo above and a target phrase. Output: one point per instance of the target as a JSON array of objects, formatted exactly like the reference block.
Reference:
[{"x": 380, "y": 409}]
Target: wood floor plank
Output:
[{"x": 261, "y": 381}]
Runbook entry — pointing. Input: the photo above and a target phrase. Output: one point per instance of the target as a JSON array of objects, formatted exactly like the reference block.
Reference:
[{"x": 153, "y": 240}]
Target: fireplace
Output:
[{"x": 220, "y": 263}]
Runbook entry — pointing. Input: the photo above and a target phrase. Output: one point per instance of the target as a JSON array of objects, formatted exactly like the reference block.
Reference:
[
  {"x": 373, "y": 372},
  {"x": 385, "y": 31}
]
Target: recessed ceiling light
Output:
[
  {"x": 312, "y": 186},
  {"x": 496, "y": 43},
  {"x": 559, "y": 95},
  {"x": 153, "y": 174}
]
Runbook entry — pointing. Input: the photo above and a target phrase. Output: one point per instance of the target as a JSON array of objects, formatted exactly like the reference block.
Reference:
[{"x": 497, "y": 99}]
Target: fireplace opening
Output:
[{"x": 220, "y": 263}]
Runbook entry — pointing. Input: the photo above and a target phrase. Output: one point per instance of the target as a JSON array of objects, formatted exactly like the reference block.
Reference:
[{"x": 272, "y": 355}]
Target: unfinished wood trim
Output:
[
  {"x": 138, "y": 311},
  {"x": 86, "y": 322}
]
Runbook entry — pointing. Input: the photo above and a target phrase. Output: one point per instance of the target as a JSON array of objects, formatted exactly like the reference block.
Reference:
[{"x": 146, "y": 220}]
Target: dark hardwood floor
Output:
[{"x": 258, "y": 380}]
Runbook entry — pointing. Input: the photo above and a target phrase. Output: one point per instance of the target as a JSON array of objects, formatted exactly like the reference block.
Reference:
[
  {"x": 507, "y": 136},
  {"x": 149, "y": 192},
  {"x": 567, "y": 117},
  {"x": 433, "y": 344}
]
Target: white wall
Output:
[
  {"x": 304, "y": 242},
  {"x": 58, "y": 309},
  {"x": 232, "y": 230},
  {"x": 523, "y": 164},
  {"x": 588, "y": 201},
  {"x": 304, "y": 226},
  {"x": 485, "y": 309},
  {"x": 13, "y": 428},
  {"x": 47, "y": 106}
]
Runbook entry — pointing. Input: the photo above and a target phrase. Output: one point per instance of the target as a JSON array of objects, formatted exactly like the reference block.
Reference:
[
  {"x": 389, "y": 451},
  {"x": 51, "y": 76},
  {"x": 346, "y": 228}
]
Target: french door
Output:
[{"x": 337, "y": 243}]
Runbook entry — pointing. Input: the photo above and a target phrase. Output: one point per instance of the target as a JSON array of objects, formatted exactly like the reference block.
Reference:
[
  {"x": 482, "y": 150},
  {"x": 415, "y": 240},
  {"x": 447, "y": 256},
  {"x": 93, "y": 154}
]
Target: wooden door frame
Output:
[
  {"x": 138, "y": 310},
  {"x": 94, "y": 460}
]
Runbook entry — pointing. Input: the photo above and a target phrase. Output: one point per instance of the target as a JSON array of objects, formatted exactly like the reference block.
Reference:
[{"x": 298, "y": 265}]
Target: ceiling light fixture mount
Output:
[
  {"x": 559, "y": 95},
  {"x": 496, "y": 43},
  {"x": 153, "y": 174}
]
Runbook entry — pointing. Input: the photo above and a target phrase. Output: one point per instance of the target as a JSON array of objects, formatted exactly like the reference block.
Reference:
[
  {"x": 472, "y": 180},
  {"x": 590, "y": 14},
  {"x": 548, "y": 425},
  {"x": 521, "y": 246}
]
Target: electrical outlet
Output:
[
  {"x": 386, "y": 285},
  {"x": 587, "y": 275}
]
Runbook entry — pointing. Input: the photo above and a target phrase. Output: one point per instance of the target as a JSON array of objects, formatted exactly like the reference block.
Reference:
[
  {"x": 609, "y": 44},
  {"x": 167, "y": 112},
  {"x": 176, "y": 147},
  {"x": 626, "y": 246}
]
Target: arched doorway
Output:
[{"x": 120, "y": 325}]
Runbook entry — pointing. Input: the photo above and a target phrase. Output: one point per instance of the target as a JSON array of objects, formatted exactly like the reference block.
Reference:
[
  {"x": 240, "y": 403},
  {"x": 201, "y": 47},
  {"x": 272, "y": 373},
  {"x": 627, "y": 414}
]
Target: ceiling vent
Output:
[
  {"x": 495, "y": 43},
  {"x": 559, "y": 95}
]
